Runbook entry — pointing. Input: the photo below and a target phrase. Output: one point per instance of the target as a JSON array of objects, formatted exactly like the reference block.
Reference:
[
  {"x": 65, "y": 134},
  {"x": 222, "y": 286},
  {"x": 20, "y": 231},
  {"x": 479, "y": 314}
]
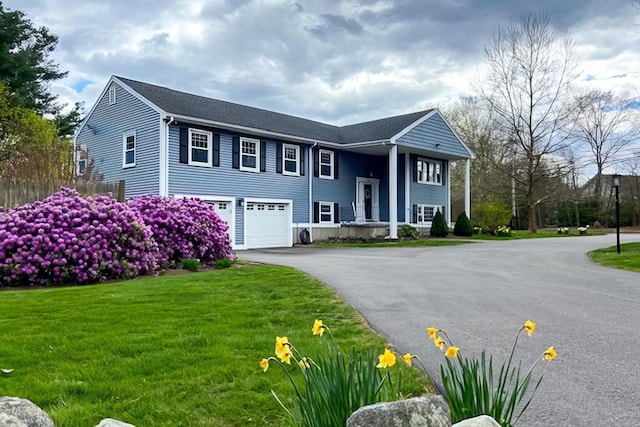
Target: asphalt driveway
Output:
[{"x": 481, "y": 293}]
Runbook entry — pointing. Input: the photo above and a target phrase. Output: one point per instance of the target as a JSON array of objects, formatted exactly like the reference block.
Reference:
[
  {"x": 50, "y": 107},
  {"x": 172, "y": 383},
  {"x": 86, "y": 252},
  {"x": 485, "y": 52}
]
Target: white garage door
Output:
[
  {"x": 267, "y": 225},
  {"x": 224, "y": 209}
]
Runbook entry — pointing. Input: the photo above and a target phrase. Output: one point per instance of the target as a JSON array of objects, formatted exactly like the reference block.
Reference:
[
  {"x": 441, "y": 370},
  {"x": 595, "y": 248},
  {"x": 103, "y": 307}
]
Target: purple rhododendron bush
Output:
[
  {"x": 184, "y": 228},
  {"x": 70, "y": 239}
]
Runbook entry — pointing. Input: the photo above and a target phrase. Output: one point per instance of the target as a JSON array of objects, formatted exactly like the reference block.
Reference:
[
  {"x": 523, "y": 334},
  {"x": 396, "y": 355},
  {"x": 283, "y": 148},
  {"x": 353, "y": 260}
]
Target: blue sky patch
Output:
[{"x": 79, "y": 86}]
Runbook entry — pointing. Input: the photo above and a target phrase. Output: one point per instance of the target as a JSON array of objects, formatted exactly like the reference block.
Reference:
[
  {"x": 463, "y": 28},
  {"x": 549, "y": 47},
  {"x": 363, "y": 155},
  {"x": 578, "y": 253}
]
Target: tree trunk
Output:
[{"x": 533, "y": 218}]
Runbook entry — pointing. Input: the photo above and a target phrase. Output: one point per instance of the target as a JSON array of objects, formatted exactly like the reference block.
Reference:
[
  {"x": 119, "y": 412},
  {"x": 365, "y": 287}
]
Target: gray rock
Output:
[
  {"x": 429, "y": 411},
  {"x": 24, "y": 411},
  {"x": 110, "y": 422},
  {"x": 481, "y": 421},
  {"x": 7, "y": 420}
]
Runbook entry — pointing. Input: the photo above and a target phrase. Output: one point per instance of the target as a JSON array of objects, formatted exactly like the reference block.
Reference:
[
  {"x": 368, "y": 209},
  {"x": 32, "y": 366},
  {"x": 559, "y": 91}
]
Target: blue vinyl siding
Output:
[
  {"x": 433, "y": 131},
  {"x": 103, "y": 134},
  {"x": 224, "y": 180},
  {"x": 343, "y": 190}
]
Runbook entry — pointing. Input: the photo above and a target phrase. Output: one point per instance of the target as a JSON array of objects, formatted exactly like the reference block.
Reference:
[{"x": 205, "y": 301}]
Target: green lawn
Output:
[
  {"x": 170, "y": 350},
  {"x": 627, "y": 259}
]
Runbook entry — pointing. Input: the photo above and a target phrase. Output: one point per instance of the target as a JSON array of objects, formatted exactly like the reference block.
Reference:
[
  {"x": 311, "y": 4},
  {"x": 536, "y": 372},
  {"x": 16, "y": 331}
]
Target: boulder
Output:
[
  {"x": 25, "y": 412},
  {"x": 481, "y": 421},
  {"x": 110, "y": 422},
  {"x": 431, "y": 411},
  {"x": 7, "y": 420}
]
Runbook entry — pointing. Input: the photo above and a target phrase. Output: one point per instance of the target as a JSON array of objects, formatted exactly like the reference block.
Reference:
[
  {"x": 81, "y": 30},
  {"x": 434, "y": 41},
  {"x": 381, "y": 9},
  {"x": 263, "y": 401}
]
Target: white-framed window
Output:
[
  {"x": 326, "y": 213},
  {"x": 290, "y": 159},
  {"x": 82, "y": 158},
  {"x": 250, "y": 154},
  {"x": 425, "y": 213},
  {"x": 326, "y": 161},
  {"x": 112, "y": 94},
  {"x": 129, "y": 149},
  {"x": 200, "y": 147},
  {"x": 429, "y": 171}
]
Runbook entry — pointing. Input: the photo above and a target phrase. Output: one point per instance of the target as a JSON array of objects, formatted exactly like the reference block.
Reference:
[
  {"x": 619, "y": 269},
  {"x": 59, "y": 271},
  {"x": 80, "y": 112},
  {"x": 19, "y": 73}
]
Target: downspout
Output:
[
  {"x": 164, "y": 157},
  {"x": 310, "y": 167}
]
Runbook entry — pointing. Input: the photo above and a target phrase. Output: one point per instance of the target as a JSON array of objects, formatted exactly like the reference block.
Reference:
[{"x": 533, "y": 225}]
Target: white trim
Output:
[
  {"x": 438, "y": 164},
  {"x": 209, "y": 148},
  {"x": 139, "y": 97},
  {"x": 467, "y": 187},
  {"x": 332, "y": 164},
  {"x": 163, "y": 157},
  {"x": 448, "y": 183},
  {"x": 126, "y": 135},
  {"x": 255, "y": 141},
  {"x": 425, "y": 205},
  {"x": 78, "y": 159},
  {"x": 227, "y": 199},
  {"x": 331, "y": 212},
  {"x": 325, "y": 225},
  {"x": 297, "y": 159},
  {"x": 310, "y": 177},
  {"x": 113, "y": 92}
]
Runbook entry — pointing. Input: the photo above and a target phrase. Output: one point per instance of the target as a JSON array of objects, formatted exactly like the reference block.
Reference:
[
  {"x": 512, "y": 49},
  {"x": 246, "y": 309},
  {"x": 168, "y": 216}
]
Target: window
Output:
[
  {"x": 129, "y": 150},
  {"x": 326, "y": 212},
  {"x": 200, "y": 147},
  {"x": 249, "y": 154},
  {"x": 112, "y": 94},
  {"x": 429, "y": 171},
  {"x": 326, "y": 164},
  {"x": 81, "y": 159},
  {"x": 291, "y": 159},
  {"x": 425, "y": 213}
]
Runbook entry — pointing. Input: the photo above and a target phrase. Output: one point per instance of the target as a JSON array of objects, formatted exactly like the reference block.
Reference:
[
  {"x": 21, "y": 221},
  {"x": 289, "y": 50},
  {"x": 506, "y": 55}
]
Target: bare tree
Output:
[
  {"x": 606, "y": 124},
  {"x": 529, "y": 68}
]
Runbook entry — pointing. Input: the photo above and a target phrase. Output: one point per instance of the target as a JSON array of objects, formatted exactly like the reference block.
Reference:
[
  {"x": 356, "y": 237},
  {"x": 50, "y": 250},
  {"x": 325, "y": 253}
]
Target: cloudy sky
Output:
[{"x": 330, "y": 60}]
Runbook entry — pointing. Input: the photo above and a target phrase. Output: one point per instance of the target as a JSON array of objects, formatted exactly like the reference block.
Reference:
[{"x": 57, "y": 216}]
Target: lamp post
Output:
[{"x": 616, "y": 184}]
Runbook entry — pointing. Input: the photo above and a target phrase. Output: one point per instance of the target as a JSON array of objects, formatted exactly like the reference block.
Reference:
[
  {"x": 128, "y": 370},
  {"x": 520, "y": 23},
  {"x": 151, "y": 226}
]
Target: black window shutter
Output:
[
  {"x": 316, "y": 162},
  {"x": 263, "y": 156},
  {"x": 336, "y": 213},
  {"x": 184, "y": 145},
  {"x": 414, "y": 214},
  {"x": 335, "y": 165},
  {"x": 316, "y": 212},
  {"x": 235, "y": 151},
  {"x": 302, "y": 162},
  {"x": 278, "y": 157},
  {"x": 216, "y": 149},
  {"x": 414, "y": 167}
]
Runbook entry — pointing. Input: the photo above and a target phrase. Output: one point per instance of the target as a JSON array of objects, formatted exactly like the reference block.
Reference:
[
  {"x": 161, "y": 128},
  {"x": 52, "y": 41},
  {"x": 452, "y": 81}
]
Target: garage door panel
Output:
[
  {"x": 267, "y": 225},
  {"x": 225, "y": 212}
]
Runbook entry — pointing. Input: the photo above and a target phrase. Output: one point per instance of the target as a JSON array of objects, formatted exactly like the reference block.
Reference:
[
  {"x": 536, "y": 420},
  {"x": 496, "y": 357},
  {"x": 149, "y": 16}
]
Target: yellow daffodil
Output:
[
  {"x": 452, "y": 352},
  {"x": 264, "y": 364},
  {"x": 408, "y": 359},
  {"x": 529, "y": 326},
  {"x": 285, "y": 357},
  {"x": 318, "y": 327},
  {"x": 282, "y": 346},
  {"x": 386, "y": 360},
  {"x": 439, "y": 342},
  {"x": 550, "y": 354},
  {"x": 304, "y": 363},
  {"x": 432, "y": 333}
]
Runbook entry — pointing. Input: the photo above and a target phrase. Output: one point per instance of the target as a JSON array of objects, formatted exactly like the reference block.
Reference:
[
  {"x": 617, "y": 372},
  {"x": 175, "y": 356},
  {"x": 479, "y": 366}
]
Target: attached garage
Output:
[
  {"x": 268, "y": 223},
  {"x": 224, "y": 207}
]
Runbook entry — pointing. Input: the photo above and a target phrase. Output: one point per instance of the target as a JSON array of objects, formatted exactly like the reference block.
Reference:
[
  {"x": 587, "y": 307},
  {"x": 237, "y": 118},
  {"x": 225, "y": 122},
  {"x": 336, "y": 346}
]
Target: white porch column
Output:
[
  {"x": 407, "y": 188},
  {"x": 393, "y": 192},
  {"x": 467, "y": 187}
]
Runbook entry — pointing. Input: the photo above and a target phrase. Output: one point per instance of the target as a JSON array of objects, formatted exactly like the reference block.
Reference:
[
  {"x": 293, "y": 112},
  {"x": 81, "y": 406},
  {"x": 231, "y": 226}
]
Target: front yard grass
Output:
[
  {"x": 170, "y": 350},
  {"x": 627, "y": 259}
]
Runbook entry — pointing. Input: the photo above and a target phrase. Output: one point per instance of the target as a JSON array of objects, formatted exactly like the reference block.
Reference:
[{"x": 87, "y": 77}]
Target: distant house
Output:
[
  {"x": 629, "y": 186},
  {"x": 271, "y": 175}
]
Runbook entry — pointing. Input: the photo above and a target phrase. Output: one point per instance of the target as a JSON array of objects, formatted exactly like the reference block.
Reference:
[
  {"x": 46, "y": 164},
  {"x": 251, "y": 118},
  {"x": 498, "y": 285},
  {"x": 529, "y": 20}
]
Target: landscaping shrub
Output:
[
  {"x": 70, "y": 239},
  {"x": 463, "y": 226},
  {"x": 191, "y": 264},
  {"x": 439, "y": 226},
  {"x": 489, "y": 216},
  {"x": 224, "y": 263},
  {"x": 407, "y": 231},
  {"x": 184, "y": 228}
]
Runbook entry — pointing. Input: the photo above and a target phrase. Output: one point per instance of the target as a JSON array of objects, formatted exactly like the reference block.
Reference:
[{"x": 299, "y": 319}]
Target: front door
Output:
[{"x": 367, "y": 200}]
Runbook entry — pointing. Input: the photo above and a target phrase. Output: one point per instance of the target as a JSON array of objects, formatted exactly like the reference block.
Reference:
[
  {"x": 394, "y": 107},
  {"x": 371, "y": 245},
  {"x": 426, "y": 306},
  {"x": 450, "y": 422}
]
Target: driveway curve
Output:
[{"x": 481, "y": 293}]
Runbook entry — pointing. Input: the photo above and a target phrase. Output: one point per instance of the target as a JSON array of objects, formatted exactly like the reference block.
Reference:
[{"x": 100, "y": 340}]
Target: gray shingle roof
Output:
[{"x": 186, "y": 104}]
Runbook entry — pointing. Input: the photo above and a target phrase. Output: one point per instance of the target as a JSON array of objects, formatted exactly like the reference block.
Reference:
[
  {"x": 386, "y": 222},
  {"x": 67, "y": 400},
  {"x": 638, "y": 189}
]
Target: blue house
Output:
[{"x": 271, "y": 175}]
